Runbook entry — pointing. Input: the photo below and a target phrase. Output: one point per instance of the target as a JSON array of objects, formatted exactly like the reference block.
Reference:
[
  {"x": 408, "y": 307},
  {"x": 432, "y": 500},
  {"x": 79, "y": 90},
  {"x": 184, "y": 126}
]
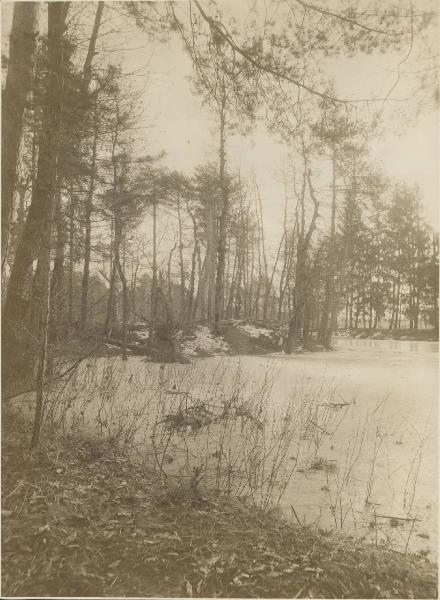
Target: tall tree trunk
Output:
[
  {"x": 133, "y": 289},
  {"x": 182, "y": 309},
  {"x": 123, "y": 280},
  {"x": 393, "y": 304},
  {"x": 200, "y": 295},
  {"x": 398, "y": 303},
  {"x": 71, "y": 258},
  {"x": 88, "y": 226},
  {"x": 296, "y": 323},
  {"x": 193, "y": 266},
  {"x": 282, "y": 285},
  {"x": 57, "y": 13},
  {"x": 154, "y": 280},
  {"x": 22, "y": 44},
  {"x": 91, "y": 51},
  {"x": 270, "y": 282},
  {"x": 231, "y": 294},
  {"x": 110, "y": 319},
  {"x": 246, "y": 269},
  {"x": 238, "y": 290},
  {"x": 211, "y": 250},
  {"x": 221, "y": 251},
  {"x": 41, "y": 208},
  {"x": 263, "y": 254},
  {"x": 325, "y": 333},
  {"x": 57, "y": 284},
  {"x": 258, "y": 288},
  {"x": 169, "y": 279},
  {"x": 251, "y": 280}
]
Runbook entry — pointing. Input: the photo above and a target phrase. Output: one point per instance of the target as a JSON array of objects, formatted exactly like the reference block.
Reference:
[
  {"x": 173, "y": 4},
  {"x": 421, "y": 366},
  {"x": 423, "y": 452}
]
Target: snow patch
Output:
[
  {"x": 142, "y": 335},
  {"x": 204, "y": 343},
  {"x": 256, "y": 332}
]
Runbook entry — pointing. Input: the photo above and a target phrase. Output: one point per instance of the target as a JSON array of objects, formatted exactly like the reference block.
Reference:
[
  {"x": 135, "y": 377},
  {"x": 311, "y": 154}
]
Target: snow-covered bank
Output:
[{"x": 202, "y": 342}]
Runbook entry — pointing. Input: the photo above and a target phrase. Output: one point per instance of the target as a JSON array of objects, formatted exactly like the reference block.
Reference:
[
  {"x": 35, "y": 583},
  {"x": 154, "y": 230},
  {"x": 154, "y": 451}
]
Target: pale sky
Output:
[
  {"x": 184, "y": 129},
  {"x": 178, "y": 124}
]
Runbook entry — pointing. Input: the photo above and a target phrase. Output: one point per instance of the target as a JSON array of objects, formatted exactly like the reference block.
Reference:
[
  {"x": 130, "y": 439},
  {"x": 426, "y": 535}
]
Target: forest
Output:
[
  {"x": 76, "y": 190},
  {"x": 107, "y": 244}
]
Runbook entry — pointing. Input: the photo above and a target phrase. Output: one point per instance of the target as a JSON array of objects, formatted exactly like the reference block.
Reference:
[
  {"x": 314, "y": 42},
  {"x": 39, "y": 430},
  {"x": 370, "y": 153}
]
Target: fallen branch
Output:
[{"x": 392, "y": 517}]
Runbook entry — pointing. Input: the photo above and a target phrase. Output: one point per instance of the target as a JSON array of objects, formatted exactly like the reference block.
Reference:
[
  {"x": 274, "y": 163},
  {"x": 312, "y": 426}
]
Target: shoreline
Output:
[{"x": 81, "y": 519}]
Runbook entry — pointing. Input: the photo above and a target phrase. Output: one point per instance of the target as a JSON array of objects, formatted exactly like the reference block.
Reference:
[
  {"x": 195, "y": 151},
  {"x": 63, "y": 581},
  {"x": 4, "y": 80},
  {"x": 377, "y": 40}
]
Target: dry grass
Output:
[{"x": 79, "y": 519}]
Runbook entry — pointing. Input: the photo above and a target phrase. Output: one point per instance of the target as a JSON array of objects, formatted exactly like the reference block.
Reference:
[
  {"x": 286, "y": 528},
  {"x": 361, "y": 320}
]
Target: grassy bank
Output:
[{"x": 79, "y": 519}]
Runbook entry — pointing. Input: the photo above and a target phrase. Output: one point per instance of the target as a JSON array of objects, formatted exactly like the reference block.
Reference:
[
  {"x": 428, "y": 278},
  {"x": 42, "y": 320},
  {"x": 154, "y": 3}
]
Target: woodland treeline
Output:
[{"x": 83, "y": 209}]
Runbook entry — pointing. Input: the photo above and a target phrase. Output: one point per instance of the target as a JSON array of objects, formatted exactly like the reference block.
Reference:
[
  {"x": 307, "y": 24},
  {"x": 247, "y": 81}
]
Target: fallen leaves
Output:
[{"x": 106, "y": 536}]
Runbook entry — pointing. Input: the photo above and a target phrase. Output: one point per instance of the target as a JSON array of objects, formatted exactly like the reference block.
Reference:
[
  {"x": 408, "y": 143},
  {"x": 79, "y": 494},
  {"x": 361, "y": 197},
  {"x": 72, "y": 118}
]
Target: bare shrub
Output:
[{"x": 210, "y": 426}]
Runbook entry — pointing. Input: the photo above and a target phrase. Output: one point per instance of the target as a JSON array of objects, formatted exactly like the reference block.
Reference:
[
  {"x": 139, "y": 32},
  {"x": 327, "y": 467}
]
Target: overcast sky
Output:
[
  {"x": 187, "y": 132},
  {"x": 184, "y": 128}
]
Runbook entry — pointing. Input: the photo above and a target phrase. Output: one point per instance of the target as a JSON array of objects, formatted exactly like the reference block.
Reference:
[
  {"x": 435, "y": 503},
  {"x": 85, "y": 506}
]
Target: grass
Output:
[{"x": 79, "y": 519}]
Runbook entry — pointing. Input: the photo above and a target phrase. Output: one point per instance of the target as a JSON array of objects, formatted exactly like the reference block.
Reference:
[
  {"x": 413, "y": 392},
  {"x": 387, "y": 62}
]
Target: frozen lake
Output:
[
  {"x": 393, "y": 387},
  {"x": 359, "y": 427}
]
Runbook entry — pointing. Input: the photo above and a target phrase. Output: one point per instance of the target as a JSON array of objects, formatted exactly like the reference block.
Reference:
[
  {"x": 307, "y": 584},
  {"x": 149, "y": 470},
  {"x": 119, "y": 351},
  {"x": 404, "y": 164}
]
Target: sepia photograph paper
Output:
[{"x": 219, "y": 288}]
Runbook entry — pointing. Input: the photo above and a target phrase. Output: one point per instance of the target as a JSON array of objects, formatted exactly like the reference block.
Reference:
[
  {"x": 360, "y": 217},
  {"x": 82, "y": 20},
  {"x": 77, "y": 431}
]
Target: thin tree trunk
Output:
[
  {"x": 193, "y": 266},
  {"x": 57, "y": 285},
  {"x": 169, "y": 281},
  {"x": 325, "y": 333},
  {"x": 232, "y": 287},
  {"x": 221, "y": 249},
  {"x": 270, "y": 283},
  {"x": 88, "y": 227},
  {"x": 285, "y": 258},
  {"x": 154, "y": 280},
  {"x": 263, "y": 253},
  {"x": 209, "y": 286},
  {"x": 123, "y": 280},
  {"x": 238, "y": 294},
  {"x": 200, "y": 296},
  {"x": 71, "y": 258},
  {"x": 182, "y": 309},
  {"x": 296, "y": 324},
  {"x": 87, "y": 69},
  {"x": 110, "y": 318}
]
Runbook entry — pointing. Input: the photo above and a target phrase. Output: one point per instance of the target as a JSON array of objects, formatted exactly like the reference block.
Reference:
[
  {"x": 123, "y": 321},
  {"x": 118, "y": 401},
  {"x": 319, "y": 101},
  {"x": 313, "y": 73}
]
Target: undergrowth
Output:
[{"x": 79, "y": 519}]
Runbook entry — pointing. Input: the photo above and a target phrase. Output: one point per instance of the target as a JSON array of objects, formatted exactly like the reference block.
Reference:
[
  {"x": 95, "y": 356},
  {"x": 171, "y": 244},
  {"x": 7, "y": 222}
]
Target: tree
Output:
[
  {"x": 296, "y": 323},
  {"x": 37, "y": 233},
  {"x": 23, "y": 41},
  {"x": 91, "y": 188}
]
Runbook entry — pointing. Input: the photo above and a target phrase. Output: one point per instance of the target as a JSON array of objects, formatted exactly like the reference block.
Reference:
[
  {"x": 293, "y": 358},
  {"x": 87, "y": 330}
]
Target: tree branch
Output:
[
  {"x": 220, "y": 30},
  {"x": 329, "y": 13}
]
